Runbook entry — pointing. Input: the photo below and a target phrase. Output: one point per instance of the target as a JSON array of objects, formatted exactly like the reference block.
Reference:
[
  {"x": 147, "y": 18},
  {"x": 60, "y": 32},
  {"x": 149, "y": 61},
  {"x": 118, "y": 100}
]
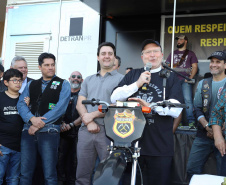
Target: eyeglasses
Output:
[
  {"x": 78, "y": 76},
  {"x": 16, "y": 81},
  {"x": 148, "y": 52}
]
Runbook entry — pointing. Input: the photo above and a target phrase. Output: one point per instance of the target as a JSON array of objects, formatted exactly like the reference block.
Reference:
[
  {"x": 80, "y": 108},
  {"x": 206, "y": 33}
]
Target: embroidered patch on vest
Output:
[
  {"x": 51, "y": 105},
  {"x": 54, "y": 84}
]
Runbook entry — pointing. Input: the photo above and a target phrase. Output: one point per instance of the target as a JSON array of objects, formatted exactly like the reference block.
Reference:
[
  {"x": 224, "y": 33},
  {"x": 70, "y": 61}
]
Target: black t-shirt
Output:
[
  {"x": 157, "y": 139},
  {"x": 11, "y": 124}
]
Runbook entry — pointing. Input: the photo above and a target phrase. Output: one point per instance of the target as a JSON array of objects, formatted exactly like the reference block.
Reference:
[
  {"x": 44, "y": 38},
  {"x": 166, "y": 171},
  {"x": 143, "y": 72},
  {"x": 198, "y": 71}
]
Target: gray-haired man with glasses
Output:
[
  {"x": 157, "y": 141},
  {"x": 19, "y": 63}
]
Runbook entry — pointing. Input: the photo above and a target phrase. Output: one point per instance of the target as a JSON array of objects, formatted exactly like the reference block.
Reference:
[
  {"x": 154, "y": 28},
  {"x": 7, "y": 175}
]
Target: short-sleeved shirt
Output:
[
  {"x": 99, "y": 87},
  {"x": 11, "y": 124},
  {"x": 187, "y": 63}
]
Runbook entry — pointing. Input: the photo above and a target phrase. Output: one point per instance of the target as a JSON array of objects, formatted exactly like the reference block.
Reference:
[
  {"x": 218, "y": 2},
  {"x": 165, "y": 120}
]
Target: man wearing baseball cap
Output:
[
  {"x": 157, "y": 141},
  {"x": 186, "y": 63},
  {"x": 207, "y": 94},
  {"x": 217, "y": 121}
]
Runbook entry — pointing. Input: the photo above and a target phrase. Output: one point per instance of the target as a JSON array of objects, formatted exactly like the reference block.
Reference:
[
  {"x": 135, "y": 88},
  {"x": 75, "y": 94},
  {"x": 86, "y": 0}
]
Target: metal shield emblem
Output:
[{"x": 124, "y": 125}]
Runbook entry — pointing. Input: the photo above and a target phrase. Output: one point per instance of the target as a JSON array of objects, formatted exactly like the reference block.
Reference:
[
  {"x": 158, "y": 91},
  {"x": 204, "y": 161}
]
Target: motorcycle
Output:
[{"x": 124, "y": 125}]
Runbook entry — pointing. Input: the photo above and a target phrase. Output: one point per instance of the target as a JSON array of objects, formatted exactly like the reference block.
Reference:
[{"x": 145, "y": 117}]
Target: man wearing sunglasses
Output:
[{"x": 67, "y": 161}]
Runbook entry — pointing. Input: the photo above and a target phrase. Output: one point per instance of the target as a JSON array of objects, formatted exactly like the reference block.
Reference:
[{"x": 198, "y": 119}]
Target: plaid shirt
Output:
[{"x": 218, "y": 113}]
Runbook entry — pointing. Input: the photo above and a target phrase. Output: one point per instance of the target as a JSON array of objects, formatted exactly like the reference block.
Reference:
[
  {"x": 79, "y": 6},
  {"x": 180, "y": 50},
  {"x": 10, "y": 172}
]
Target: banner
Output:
[{"x": 206, "y": 33}]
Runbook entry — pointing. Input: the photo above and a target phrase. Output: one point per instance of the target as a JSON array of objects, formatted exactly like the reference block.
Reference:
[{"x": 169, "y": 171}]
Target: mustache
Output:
[{"x": 72, "y": 81}]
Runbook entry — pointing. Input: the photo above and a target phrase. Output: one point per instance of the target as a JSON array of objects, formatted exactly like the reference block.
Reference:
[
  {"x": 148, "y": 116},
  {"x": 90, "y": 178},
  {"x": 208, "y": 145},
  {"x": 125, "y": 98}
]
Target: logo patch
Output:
[
  {"x": 206, "y": 86},
  {"x": 51, "y": 105},
  {"x": 206, "y": 96},
  {"x": 54, "y": 85},
  {"x": 123, "y": 126}
]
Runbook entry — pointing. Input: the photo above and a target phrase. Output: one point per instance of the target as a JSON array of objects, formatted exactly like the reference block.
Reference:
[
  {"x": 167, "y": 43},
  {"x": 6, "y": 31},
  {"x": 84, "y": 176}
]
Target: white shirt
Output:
[
  {"x": 122, "y": 93},
  {"x": 23, "y": 86}
]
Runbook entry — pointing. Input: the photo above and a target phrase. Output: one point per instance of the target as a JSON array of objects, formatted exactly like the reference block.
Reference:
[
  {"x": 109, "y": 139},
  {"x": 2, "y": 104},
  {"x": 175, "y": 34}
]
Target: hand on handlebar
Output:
[
  {"x": 142, "y": 102},
  {"x": 93, "y": 128}
]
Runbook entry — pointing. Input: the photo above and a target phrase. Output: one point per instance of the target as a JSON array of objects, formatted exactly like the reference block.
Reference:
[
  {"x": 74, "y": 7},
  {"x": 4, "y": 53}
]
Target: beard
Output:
[
  {"x": 180, "y": 45},
  {"x": 75, "y": 86}
]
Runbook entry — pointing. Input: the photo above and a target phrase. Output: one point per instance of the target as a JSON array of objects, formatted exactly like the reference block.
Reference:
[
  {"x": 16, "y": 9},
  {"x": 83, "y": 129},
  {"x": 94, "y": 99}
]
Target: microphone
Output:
[{"x": 148, "y": 68}]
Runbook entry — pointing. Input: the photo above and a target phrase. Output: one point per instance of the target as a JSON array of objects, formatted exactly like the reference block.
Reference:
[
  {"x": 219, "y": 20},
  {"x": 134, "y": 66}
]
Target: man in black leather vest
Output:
[
  {"x": 207, "y": 94},
  {"x": 67, "y": 162},
  {"x": 49, "y": 97}
]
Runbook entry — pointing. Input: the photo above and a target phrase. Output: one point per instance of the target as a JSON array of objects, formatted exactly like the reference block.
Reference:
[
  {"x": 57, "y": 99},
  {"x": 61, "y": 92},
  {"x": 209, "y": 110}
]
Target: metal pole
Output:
[
  {"x": 174, "y": 15},
  {"x": 59, "y": 25},
  {"x": 134, "y": 166}
]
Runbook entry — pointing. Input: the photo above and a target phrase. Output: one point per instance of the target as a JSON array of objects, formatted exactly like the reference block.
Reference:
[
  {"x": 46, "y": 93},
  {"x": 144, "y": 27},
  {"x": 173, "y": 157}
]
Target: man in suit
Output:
[{"x": 19, "y": 63}]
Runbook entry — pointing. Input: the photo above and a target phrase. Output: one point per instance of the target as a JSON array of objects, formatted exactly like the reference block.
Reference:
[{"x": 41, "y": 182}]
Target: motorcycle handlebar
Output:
[
  {"x": 170, "y": 104},
  {"x": 87, "y": 102},
  {"x": 94, "y": 102}
]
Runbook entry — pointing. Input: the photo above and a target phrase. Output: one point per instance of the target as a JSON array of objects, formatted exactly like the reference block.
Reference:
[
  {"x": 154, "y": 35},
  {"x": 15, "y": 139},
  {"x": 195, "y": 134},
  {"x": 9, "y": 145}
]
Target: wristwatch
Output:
[
  {"x": 206, "y": 125},
  {"x": 71, "y": 124}
]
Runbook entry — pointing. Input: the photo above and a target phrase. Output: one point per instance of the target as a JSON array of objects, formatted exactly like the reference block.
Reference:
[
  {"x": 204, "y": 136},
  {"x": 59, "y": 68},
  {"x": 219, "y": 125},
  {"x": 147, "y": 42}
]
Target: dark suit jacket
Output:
[
  {"x": 2, "y": 86},
  {"x": 29, "y": 79}
]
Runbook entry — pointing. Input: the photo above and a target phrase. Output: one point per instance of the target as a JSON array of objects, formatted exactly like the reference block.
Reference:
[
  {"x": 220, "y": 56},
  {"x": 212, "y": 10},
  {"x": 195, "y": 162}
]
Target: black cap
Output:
[
  {"x": 1, "y": 68},
  {"x": 219, "y": 55},
  {"x": 149, "y": 41},
  {"x": 182, "y": 37}
]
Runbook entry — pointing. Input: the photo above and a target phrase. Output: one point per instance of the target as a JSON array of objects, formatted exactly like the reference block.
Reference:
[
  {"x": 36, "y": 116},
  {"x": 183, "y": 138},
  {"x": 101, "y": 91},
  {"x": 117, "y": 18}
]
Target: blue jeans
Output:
[
  {"x": 9, "y": 165},
  {"x": 200, "y": 151},
  {"x": 187, "y": 93},
  {"x": 46, "y": 143}
]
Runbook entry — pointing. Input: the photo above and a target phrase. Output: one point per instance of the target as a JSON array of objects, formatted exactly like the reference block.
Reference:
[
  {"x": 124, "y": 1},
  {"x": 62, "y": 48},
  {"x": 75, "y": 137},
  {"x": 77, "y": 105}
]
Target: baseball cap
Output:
[
  {"x": 181, "y": 37},
  {"x": 149, "y": 41},
  {"x": 219, "y": 55},
  {"x": 1, "y": 68}
]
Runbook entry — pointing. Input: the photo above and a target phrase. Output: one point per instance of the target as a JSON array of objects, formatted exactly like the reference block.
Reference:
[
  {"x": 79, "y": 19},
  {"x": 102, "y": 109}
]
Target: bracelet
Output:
[
  {"x": 71, "y": 124},
  {"x": 206, "y": 125}
]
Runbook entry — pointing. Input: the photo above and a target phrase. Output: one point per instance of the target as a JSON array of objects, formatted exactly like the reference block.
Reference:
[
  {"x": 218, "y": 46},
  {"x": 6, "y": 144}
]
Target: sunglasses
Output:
[{"x": 78, "y": 76}]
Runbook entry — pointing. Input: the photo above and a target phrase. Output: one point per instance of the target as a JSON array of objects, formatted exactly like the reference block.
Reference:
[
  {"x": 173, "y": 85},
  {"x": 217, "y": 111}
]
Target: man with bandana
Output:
[
  {"x": 186, "y": 63},
  {"x": 67, "y": 162}
]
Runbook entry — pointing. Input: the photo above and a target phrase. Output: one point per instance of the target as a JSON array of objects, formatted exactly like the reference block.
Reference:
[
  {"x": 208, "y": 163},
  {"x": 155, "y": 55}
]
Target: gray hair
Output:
[{"x": 16, "y": 58}]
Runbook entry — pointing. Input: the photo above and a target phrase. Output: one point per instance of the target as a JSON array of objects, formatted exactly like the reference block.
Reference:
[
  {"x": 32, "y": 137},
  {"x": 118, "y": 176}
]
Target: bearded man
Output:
[
  {"x": 186, "y": 63},
  {"x": 67, "y": 162}
]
